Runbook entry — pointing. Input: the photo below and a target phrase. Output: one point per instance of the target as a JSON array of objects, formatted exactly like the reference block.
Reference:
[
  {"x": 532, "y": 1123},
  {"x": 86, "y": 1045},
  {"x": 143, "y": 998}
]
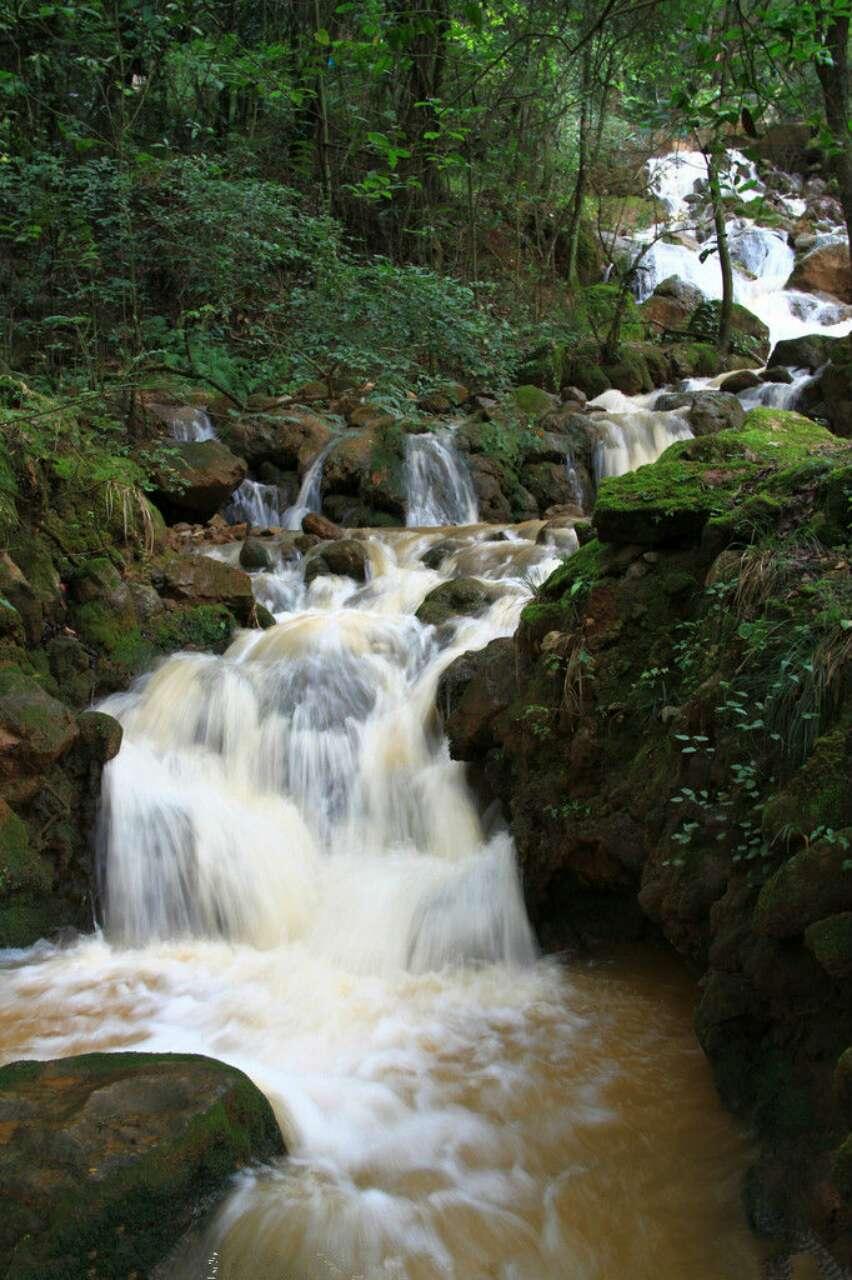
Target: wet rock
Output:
[
  {"x": 466, "y": 596},
  {"x": 825, "y": 269},
  {"x": 809, "y": 352},
  {"x": 487, "y": 477},
  {"x": 370, "y": 416},
  {"x": 830, "y": 942},
  {"x": 203, "y": 580},
  {"x": 443, "y": 399},
  {"x": 345, "y": 558},
  {"x": 108, "y": 1157},
  {"x": 35, "y": 731},
  {"x": 549, "y": 483},
  {"x": 776, "y": 373},
  {"x": 707, "y": 411},
  {"x": 742, "y": 380},
  {"x": 473, "y": 692},
  {"x": 201, "y": 477},
  {"x": 441, "y": 551},
  {"x": 320, "y": 527},
  {"x": 254, "y": 554}
]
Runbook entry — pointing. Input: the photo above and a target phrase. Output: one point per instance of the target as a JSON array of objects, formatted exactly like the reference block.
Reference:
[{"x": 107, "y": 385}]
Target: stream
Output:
[{"x": 298, "y": 881}]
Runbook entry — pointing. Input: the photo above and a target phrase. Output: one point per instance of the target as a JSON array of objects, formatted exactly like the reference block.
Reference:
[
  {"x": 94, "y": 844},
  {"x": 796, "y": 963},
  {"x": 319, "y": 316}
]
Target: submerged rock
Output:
[{"x": 107, "y": 1158}]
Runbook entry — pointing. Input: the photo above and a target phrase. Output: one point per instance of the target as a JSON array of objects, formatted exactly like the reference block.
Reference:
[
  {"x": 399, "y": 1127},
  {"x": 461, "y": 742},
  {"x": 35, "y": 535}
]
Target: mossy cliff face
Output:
[
  {"x": 107, "y": 1156},
  {"x": 673, "y": 734}
]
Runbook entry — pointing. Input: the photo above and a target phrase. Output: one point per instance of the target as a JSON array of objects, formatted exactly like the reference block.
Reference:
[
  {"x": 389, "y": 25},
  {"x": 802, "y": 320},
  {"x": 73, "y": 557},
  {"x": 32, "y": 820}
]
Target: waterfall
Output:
[
  {"x": 309, "y": 498},
  {"x": 255, "y": 504},
  {"x": 438, "y": 484},
  {"x": 629, "y": 434},
  {"x": 186, "y": 423}
]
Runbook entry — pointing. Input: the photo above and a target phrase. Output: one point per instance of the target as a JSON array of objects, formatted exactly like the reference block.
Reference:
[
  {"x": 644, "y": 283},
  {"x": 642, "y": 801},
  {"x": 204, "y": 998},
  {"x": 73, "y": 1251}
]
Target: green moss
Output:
[
  {"x": 672, "y": 499},
  {"x": 818, "y": 795},
  {"x": 207, "y": 627},
  {"x": 578, "y": 572},
  {"x": 100, "y": 627},
  {"x": 532, "y": 401}
]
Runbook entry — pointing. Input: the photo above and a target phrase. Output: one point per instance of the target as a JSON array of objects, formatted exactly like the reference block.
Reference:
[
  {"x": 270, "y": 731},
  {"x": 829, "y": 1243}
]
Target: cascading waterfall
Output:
[
  {"x": 309, "y": 498},
  {"x": 629, "y": 433},
  {"x": 255, "y": 504},
  {"x": 763, "y": 259},
  {"x": 438, "y": 483},
  {"x": 298, "y": 880}
]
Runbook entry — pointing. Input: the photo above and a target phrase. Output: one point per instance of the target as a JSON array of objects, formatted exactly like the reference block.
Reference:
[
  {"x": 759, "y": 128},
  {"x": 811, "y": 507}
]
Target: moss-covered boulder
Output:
[
  {"x": 807, "y": 888},
  {"x": 706, "y": 411},
  {"x": 35, "y": 731},
  {"x": 200, "y": 478},
  {"x": 696, "y": 480},
  {"x": 473, "y": 691},
  {"x": 107, "y": 1158},
  {"x": 811, "y": 351},
  {"x": 459, "y": 596}
]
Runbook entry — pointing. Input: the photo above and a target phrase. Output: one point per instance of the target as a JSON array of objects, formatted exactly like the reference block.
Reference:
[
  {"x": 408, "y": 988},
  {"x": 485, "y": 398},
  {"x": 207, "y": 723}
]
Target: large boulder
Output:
[
  {"x": 811, "y": 351},
  {"x": 487, "y": 477},
  {"x": 108, "y": 1157},
  {"x": 549, "y": 483},
  {"x": 749, "y": 335},
  {"x": 35, "y": 731},
  {"x": 473, "y": 692},
  {"x": 671, "y": 304},
  {"x": 693, "y": 481},
  {"x": 809, "y": 887},
  {"x": 203, "y": 580},
  {"x": 706, "y": 411},
  {"x": 201, "y": 477},
  {"x": 825, "y": 269}
]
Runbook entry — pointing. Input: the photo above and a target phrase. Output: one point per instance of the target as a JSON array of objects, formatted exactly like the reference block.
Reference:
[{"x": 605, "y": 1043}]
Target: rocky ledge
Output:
[{"x": 106, "y": 1158}]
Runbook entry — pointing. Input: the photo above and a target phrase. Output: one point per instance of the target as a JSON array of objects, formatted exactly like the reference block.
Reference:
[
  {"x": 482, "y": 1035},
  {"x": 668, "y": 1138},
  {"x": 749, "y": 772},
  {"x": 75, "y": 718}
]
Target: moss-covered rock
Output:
[
  {"x": 107, "y": 1157},
  {"x": 694, "y": 480},
  {"x": 345, "y": 557},
  {"x": 807, "y": 888},
  {"x": 459, "y": 596},
  {"x": 35, "y": 731},
  {"x": 204, "y": 580}
]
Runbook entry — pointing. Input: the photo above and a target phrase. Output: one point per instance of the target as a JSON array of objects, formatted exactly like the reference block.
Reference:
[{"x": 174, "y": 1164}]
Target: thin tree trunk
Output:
[
  {"x": 834, "y": 80},
  {"x": 726, "y": 312}
]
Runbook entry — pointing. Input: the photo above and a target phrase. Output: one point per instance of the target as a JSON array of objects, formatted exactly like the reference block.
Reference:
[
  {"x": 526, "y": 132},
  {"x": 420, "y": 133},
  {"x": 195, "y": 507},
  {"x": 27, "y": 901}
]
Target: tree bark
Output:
[
  {"x": 834, "y": 81},
  {"x": 726, "y": 312}
]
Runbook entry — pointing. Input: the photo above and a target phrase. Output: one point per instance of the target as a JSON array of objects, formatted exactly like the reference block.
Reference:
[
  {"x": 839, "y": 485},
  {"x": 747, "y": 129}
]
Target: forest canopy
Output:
[{"x": 260, "y": 190}]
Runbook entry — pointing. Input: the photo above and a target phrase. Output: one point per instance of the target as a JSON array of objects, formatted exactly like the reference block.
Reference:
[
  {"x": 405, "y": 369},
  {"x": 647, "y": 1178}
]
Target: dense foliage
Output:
[{"x": 206, "y": 185}]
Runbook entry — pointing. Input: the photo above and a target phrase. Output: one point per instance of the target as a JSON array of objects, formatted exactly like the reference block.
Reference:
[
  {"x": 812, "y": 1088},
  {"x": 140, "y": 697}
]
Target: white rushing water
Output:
[
  {"x": 438, "y": 483},
  {"x": 763, "y": 259}
]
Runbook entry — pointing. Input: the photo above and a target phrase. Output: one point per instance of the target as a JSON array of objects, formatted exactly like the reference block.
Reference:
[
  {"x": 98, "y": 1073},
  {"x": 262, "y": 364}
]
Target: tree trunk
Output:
[
  {"x": 723, "y": 340},
  {"x": 834, "y": 80}
]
